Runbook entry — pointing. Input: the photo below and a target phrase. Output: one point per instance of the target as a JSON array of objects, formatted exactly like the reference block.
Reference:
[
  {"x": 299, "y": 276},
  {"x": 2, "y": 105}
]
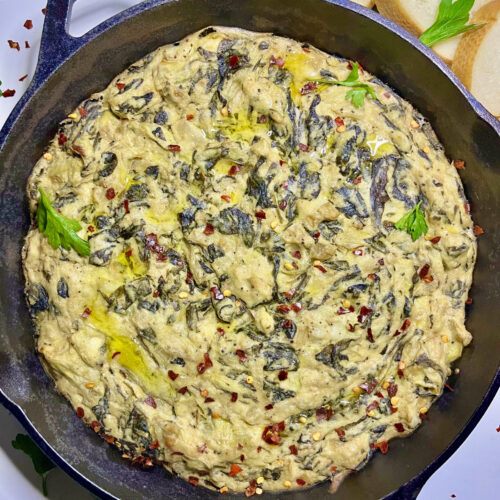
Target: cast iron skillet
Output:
[{"x": 70, "y": 69}]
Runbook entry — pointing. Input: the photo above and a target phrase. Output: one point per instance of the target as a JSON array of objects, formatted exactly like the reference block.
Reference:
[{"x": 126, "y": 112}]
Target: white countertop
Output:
[{"x": 471, "y": 473}]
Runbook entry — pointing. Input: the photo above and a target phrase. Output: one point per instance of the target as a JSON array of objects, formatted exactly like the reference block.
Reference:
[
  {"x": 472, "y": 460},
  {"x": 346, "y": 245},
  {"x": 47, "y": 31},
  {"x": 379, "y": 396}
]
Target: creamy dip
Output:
[{"x": 249, "y": 316}]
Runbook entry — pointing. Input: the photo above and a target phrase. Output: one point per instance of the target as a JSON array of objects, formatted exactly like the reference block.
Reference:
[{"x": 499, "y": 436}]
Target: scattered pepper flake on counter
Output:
[
  {"x": 28, "y": 24},
  {"x": 14, "y": 45}
]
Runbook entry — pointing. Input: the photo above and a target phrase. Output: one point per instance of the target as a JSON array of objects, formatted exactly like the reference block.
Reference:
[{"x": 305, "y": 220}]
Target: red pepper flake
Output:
[
  {"x": 226, "y": 198},
  {"x": 234, "y": 170},
  {"x": 203, "y": 367},
  {"x": 209, "y": 400},
  {"x": 381, "y": 262},
  {"x": 459, "y": 164},
  {"x": 339, "y": 122},
  {"x": 234, "y": 60},
  {"x": 358, "y": 251},
  {"x": 321, "y": 268},
  {"x": 428, "y": 279},
  {"x": 260, "y": 215},
  {"x": 392, "y": 389},
  {"x": 379, "y": 395},
  {"x": 14, "y": 45},
  {"x": 453, "y": 495},
  {"x": 369, "y": 386},
  {"x": 110, "y": 193},
  {"x": 369, "y": 335},
  {"x": 150, "y": 402},
  {"x": 183, "y": 390},
  {"x": 435, "y": 240},
  {"x": 406, "y": 324},
  {"x": 189, "y": 117},
  {"x": 498, "y": 429},
  {"x": 193, "y": 480},
  {"x": 308, "y": 88},
  {"x": 262, "y": 119},
  {"x": 91, "y": 229},
  {"x": 287, "y": 324},
  {"x": 295, "y": 265},
  {"x": 95, "y": 426},
  {"x": 235, "y": 469},
  {"x": 8, "y": 93},
  {"x": 241, "y": 355},
  {"x": 115, "y": 354},
  {"x": 23, "y": 78},
  {"x": 216, "y": 293},
  {"x": 120, "y": 86},
  {"x": 269, "y": 407},
  {"x": 364, "y": 313},
  {"x": 424, "y": 271},
  {"x": 340, "y": 432},
  {"x": 234, "y": 397},
  {"x": 399, "y": 427},
  {"x": 220, "y": 330},
  {"x": 467, "y": 207},
  {"x": 174, "y": 147},
  {"x": 209, "y": 229},
  {"x": 303, "y": 147},
  {"x": 283, "y": 309},
  {"x": 342, "y": 310},
  {"x": 293, "y": 449},
  {"x": 86, "y": 313},
  {"x": 383, "y": 446},
  {"x": 316, "y": 236},
  {"x": 242, "y": 457},
  {"x": 372, "y": 276},
  {"x": 300, "y": 481},
  {"x": 28, "y": 24},
  {"x": 468, "y": 301},
  {"x": 282, "y": 204},
  {"x": 172, "y": 375},
  {"x": 400, "y": 373},
  {"x": 323, "y": 414},
  {"x": 83, "y": 112},
  {"x": 290, "y": 293},
  {"x": 357, "y": 180},
  {"x": 271, "y": 433},
  {"x": 282, "y": 375},
  {"x": 350, "y": 327},
  {"x": 62, "y": 139},
  {"x": 372, "y": 406},
  {"x": 296, "y": 306},
  {"x": 478, "y": 230},
  {"x": 297, "y": 254},
  {"x": 449, "y": 388},
  {"x": 27, "y": 45},
  {"x": 126, "y": 206},
  {"x": 276, "y": 61},
  {"x": 79, "y": 412},
  {"x": 128, "y": 253},
  {"x": 154, "y": 445}
]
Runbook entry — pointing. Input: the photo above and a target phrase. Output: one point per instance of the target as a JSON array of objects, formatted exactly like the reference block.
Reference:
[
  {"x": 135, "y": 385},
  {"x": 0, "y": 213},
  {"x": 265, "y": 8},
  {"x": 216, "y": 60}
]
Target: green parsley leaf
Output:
[
  {"x": 59, "y": 230},
  {"x": 41, "y": 463},
  {"x": 413, "y": 223},
  {"x": 359, "y": 89},
  {"x": 451, "y": 20},
  {"x": 0, "y": 89}
]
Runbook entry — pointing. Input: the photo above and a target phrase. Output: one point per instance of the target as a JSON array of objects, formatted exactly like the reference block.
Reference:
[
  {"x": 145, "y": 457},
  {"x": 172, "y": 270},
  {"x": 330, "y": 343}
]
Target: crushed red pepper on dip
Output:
[{"x": 275, "y": 276}]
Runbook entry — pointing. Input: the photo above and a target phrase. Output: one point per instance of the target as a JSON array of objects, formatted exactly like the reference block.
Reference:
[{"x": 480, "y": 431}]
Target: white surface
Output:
[{"x": 471, "y": 473}]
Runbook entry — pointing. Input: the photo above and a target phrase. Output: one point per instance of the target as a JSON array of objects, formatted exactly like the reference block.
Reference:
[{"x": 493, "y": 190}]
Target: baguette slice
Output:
[
  {"x": 365, "y": 3},
  {"x": 477, "y": 59},
  {"x": 418, "y": 15}
]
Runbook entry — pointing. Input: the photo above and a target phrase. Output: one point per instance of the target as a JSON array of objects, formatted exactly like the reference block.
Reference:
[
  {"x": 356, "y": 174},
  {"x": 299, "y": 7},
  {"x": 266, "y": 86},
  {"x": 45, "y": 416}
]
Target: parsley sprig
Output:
[
  {"x": 413, "y": 223},
  {"x": 59, "y": 230},
  {"x": 41, "y": 463},
  {"x": 452, "y": 20},
  {"x": 358, "y": 91}
]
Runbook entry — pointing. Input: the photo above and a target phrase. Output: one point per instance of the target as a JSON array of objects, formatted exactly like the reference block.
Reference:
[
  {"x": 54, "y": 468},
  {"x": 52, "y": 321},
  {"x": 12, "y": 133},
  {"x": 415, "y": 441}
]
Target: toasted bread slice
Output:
[
  {"x": 477, "y": 59},
  {"x": 418, "y": 15}
]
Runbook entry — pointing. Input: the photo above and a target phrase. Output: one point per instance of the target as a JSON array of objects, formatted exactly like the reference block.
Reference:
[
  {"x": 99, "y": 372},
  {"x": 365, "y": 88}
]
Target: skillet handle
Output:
[{"x": 56, "y": 45}]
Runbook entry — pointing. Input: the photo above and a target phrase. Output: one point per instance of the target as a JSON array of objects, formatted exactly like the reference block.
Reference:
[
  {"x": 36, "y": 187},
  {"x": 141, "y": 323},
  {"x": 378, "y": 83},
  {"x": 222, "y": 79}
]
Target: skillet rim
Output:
[{"x": 45, "y": 70}]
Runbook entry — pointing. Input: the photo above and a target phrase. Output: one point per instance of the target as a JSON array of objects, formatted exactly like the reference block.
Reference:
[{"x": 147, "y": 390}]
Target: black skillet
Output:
[{"x": 70, "y": 69}]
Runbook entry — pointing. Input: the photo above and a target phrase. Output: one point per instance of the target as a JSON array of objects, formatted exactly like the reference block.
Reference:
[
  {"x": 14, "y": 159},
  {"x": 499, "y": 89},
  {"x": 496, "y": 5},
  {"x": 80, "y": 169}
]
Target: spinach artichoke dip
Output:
[{"x": 249, "y": 262}]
